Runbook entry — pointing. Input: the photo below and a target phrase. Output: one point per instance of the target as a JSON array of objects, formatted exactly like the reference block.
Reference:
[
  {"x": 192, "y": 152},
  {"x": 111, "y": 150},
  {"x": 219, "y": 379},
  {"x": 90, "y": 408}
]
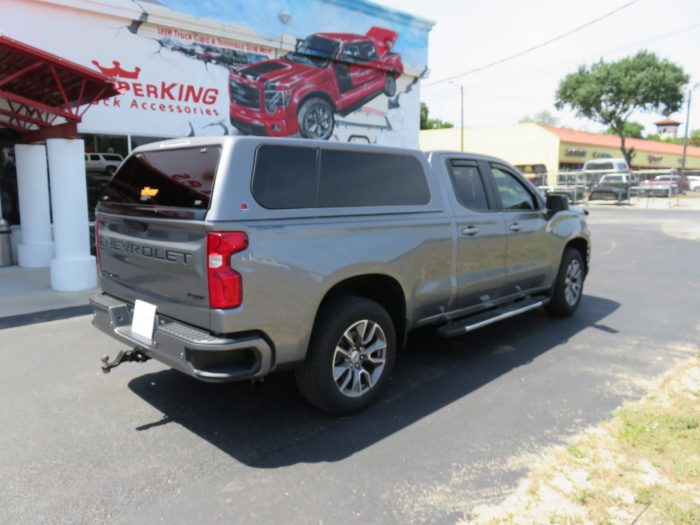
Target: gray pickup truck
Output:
[{"x": 231, "y": 258}]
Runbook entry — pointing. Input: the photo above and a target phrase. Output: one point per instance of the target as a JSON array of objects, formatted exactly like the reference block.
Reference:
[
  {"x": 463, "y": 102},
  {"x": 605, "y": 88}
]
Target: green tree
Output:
[
  {"x": 630, "y": 129},
  {"x": 609, "y": 92},
  {"x": 431, "y": 123},
  {"x": 693, "y": 138},
  {"x": 543, "y": 117}
]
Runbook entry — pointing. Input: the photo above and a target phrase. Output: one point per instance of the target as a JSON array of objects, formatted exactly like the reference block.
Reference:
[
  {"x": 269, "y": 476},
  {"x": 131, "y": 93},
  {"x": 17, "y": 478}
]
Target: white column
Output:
[
  {"x": 73, "y": 268},
  {"x": 36, "y": 249}
]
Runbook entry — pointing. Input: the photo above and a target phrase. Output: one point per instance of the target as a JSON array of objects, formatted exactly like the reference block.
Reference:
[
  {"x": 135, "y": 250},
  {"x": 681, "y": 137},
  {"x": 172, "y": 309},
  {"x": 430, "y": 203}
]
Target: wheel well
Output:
[
  {"x": 382, "y": 289},
  {"x": 318, "y": 94},
  {"x": 582, "y": 246}
]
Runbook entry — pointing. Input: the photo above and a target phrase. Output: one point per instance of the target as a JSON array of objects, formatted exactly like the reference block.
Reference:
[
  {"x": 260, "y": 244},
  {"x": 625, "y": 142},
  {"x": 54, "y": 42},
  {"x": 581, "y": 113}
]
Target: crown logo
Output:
[{"x": 116, "y": 70}]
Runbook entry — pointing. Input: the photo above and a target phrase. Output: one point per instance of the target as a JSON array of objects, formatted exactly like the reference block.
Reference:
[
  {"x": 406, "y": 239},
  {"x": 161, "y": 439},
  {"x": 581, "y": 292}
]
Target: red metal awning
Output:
[{"x": 43, "y": 95}]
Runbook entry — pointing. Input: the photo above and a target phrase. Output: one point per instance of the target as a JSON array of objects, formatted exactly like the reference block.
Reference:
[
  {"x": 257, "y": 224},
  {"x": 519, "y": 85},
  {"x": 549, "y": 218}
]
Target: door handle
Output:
[
  {"x": 515, "y": 227},
  {"x": 470, "y": 230}
]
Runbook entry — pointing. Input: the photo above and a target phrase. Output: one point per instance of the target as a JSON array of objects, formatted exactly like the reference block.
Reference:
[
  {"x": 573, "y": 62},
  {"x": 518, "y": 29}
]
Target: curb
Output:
[{"x": 14, "y": 321}]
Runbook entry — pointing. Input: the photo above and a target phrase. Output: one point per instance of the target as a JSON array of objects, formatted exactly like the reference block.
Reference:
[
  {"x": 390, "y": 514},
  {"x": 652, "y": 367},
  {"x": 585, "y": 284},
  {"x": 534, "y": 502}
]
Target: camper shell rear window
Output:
[{"x": 179, "y": 178}]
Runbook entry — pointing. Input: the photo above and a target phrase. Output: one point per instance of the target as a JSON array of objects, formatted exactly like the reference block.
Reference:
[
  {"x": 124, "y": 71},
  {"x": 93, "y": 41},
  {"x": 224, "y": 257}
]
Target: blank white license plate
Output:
[{"x": 144, "y": 320}]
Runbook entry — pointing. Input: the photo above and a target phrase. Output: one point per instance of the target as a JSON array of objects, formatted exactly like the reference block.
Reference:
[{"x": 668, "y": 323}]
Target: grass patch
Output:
[{"x": 644, "y": 462}]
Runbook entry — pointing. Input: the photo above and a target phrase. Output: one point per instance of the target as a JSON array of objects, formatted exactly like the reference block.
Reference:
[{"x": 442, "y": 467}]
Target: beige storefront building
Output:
[{"x": 544, "y": 149}]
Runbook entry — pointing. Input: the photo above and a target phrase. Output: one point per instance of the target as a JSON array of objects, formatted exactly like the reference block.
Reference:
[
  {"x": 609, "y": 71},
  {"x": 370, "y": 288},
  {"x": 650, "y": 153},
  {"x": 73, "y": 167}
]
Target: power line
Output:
[
  {"x": 533, "y": 48},
  {"x": 530, "y": 72}
]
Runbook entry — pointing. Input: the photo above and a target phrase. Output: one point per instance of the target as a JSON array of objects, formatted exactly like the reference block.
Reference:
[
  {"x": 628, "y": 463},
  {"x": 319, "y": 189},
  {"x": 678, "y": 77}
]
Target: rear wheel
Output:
[
  {"x": 568, "y": 287},
  {"x": 350, "y": 356}
]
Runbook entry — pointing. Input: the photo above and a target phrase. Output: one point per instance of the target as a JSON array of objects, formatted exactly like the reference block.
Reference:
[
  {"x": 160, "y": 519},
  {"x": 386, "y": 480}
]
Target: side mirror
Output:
[{"x": 557, "y": 202}]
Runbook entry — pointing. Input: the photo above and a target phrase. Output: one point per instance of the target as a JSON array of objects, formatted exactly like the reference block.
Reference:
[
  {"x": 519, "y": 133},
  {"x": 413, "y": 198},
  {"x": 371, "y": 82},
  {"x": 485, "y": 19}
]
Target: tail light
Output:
[
  {"x": 97, "y": 245},
  {"x": 225, "y": 284}
]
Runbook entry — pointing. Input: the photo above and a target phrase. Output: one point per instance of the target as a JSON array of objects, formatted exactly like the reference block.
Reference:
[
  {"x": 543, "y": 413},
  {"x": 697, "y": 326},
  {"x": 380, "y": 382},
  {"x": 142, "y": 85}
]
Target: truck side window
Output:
[
  {"x": 468, "y": 184},
  {"x": 514, "y": 195},
  {"x": 284, "y": 177}
]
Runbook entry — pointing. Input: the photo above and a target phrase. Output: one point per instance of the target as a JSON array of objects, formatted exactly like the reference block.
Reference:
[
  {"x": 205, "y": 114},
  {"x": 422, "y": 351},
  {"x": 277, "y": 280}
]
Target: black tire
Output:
[
  {"x": 317, "y": 378},
  {"x": 316, "y": 119},
  {"x": 568, "y": 288},
  {"x": 390, "y": 85},
  {"x": 109, "y": 170}
]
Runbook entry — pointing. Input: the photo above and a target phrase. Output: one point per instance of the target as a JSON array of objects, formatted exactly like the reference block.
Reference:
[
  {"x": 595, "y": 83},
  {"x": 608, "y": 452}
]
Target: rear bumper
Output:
[{"x": 192, "y": 351}]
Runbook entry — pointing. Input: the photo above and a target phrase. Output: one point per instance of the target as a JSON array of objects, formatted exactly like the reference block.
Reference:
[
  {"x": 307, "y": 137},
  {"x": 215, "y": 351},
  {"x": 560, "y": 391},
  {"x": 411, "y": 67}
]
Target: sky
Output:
[{"x": 472, "y": 33}]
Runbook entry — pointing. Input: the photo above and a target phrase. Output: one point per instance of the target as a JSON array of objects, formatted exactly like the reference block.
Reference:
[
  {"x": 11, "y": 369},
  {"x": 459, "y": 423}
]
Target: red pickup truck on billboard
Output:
[{"x": 301, "y": 92}]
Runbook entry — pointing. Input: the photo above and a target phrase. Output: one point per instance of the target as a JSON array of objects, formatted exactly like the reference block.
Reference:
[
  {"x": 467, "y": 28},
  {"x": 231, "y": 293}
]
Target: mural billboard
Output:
[{"x": 184, "y": 68}]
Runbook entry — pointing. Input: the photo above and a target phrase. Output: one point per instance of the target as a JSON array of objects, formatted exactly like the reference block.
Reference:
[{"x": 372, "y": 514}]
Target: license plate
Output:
[{"x": 144, "y": 320}]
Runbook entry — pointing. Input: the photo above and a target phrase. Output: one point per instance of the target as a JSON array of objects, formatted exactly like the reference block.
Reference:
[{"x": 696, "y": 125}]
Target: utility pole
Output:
[
  {"x": 687, "y": 125},
  {"x": 461, "y": 126}
]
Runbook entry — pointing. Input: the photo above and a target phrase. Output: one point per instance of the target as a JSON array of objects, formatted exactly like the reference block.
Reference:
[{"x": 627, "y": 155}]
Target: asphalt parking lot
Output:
[{"x": 457, "y": 426}]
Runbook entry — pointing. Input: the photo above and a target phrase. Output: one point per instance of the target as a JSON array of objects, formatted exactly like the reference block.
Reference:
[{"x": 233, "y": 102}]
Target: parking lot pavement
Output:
[{"x": 455, "y": 427}]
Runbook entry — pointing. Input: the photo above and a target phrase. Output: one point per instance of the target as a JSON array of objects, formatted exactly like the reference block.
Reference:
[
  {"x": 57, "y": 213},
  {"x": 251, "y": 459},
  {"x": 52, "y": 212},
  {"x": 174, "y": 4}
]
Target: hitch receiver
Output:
[{"x": 123, "y": 356}]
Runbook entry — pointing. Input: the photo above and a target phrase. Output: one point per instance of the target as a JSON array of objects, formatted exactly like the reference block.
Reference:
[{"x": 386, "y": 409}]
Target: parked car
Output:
[
  {"x": 606, "y": 166},
  {"x": 693, "y": 182},
  {"x": 105, "y": 163},
  {"x": 663, "y": 185},
  {"x": 614, "y": 186},
  {"x": 229, "y": 258},
  {"x": 327, "y": 74}
]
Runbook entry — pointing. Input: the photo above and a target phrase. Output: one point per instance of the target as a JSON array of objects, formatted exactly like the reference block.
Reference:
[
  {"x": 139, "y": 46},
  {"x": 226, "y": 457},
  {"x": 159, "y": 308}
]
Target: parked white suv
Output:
[
  {"x": 693, "y": 182},
  {"x": 106, "y": 163}
]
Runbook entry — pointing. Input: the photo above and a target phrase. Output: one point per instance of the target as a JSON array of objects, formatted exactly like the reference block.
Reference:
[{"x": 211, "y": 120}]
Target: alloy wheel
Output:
[
  {"x": 572, "y": 282},
  {"x": 359, "y": 358}
]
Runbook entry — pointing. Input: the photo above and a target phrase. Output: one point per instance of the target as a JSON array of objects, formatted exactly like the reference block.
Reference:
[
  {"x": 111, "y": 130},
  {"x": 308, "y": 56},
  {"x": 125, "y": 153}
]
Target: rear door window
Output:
[
  {"x": 181, "y": 178},
  {"x": 468, "y": 184}
]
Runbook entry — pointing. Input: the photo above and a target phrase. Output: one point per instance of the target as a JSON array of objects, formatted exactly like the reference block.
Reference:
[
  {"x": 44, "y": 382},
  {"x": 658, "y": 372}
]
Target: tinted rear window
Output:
[
  {"x": 286, "y": 177},
  {"x": 350, "y": 178},
  {"x": 179, "y": 178}
]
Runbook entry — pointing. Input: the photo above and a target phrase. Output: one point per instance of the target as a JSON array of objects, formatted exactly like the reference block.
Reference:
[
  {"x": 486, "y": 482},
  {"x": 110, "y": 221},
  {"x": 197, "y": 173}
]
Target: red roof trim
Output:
[
  {"x": 613, "y": 141},
  {"x": 667, "y": 122},
  {"x": 40, "y": 87}
]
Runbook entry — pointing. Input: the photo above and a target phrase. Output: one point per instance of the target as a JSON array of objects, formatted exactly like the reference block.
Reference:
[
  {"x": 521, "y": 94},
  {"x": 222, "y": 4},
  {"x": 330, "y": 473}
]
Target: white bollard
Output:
[
  {"x": 36, "y": 248},
  {"x": 73, "y": 268}
]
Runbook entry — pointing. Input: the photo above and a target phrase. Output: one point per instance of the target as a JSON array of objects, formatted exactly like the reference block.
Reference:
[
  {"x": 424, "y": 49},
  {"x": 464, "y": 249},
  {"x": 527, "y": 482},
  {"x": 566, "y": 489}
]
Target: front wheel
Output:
[
  {"x": 568, "y": 287},
  {"x": 350, "y": 356},
  {"x": 315, "y": 119}
]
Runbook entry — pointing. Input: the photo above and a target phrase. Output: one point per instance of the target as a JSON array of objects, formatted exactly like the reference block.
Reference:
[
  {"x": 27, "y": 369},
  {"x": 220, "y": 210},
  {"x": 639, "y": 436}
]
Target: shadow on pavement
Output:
[{"x": 271, "y": 425}]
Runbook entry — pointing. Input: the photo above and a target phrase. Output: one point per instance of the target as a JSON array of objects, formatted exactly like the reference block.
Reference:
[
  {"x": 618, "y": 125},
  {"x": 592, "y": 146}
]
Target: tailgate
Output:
[{"x": 151, "y": 234}]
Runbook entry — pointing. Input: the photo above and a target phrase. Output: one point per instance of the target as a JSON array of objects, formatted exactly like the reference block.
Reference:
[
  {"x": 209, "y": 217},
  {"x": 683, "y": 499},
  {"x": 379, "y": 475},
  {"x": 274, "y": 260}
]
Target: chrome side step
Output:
[{"x": 468, "y": 324}]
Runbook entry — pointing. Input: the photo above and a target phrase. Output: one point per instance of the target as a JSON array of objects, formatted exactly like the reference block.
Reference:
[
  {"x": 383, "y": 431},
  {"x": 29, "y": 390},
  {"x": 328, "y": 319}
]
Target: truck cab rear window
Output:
[
  {"x": 288, "y": 177},
  {"x": 174, "y": 178}
]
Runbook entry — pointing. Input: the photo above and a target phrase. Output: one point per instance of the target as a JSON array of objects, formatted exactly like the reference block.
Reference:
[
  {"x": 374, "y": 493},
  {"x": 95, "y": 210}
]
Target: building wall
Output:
[
  {"x": 520, "y": 145},
  {"x": 532, "y": 145},
  {"x": 576, "y": 154},
  {"x": 174, "y": 62}
]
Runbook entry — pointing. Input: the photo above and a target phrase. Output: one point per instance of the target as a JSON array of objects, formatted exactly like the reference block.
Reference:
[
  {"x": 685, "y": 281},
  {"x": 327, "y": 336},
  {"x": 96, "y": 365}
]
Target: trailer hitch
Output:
[{"x": 123, "y": 356}]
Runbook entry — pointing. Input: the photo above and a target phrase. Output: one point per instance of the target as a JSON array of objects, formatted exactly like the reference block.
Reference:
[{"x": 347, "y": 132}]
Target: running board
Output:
[{"x": 462, "y": 326}]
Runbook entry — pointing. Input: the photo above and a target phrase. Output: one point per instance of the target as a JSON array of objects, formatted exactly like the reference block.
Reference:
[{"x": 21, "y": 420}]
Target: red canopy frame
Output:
[{"x": 43, "y": 95}]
